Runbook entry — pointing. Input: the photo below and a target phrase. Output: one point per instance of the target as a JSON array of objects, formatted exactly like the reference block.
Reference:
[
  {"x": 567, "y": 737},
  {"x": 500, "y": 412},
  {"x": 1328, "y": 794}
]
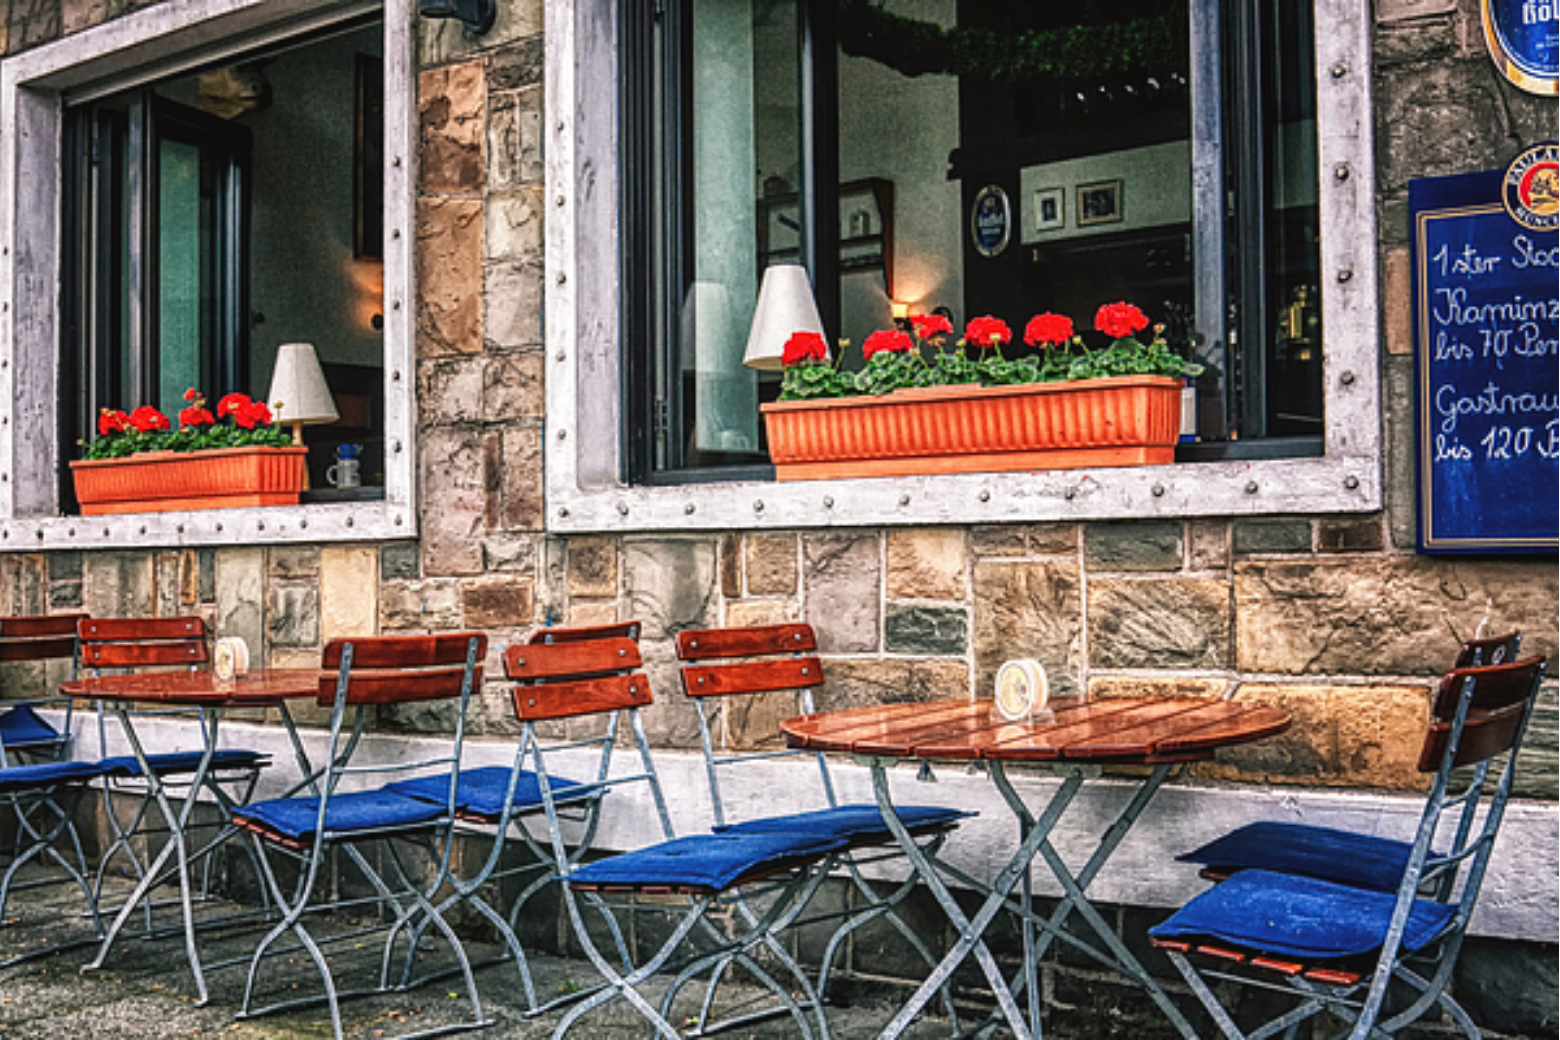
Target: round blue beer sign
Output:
[
  {"x": 1524, "y": 41},
  {"x": 991, "y": 220}
]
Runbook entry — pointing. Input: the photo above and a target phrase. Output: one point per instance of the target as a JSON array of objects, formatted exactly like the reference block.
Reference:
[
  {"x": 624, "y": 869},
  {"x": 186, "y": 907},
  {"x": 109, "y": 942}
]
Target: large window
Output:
[{"x": 1157, "y": 151}]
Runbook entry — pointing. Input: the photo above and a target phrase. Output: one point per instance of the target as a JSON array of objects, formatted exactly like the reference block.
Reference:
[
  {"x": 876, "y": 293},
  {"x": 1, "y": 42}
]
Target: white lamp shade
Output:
[
  {"x": 785, "y": 307},
  {"x": 299, "y": 393}
]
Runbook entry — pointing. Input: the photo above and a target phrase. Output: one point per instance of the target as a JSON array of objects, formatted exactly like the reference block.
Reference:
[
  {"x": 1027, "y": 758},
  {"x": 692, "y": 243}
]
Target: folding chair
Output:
[
  {"x": 136, "y": 644},
  {"x": 498, "y": 801},
  {"x": 600, "y": 681},
  {"x": 1339, "y": 855},
  {"x": 38, "y": 786},
  {"x": 724, "y": 666},
  {"x": 1339, "y": 948},
  {"x": 348, "y": 812}
]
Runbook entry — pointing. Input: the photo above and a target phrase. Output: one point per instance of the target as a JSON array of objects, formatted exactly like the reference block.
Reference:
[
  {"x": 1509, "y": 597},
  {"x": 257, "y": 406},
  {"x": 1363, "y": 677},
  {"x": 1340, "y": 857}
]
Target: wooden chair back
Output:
[
  {"x": 38, "y": 638},
  {"x": 778, "y": 657},
  {"x": 398, "y": 669},
  {"x": 573, "y": 678},
  {"x": 1498, "y": 700},
  {"x": 1501, "y": 649},
  {"x": 142, "y": 642}
]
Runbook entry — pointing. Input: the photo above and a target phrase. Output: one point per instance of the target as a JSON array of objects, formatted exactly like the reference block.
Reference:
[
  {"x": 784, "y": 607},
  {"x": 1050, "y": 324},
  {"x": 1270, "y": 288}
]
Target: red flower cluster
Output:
[
  {"x": 987, "y": 332},
  {"x": 246, "y": 413},
  {"x": 891, "y": 340},
  {"x": 1046, "y": 330},
  {"x": 111, "y": 420},
  {"x": 146, "y": 419},
  {"x": 929, "y": 325},
  {"x": 1118, "y": 320},
  {"x": 196, "y": 414},
  {"x": 804, "y": 346}
]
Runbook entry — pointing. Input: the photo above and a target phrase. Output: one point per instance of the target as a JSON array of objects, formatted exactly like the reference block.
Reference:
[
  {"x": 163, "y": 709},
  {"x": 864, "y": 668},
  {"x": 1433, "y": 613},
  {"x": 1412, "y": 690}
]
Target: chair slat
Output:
[
  {"x": 142, "y": 628},
  {"x": 562, "y": 700},
  {"x": 582, "y": 633},
  {"x": 1484, "y": 735},
  {"x": 40, "y": 626},
  {"x": 138, "y": 655},
  {"x": 724, "y": 680},
  {"x": 367, "y": 686},
  {"x": 40, "y": 648},
  {"x": 569, "y": 661},
  {"x": 1494, "y": 686},
  {"x": 446, "y": 648},
  {"x": 700, "y": 644},
  {"x": 1501, "y": 649}
]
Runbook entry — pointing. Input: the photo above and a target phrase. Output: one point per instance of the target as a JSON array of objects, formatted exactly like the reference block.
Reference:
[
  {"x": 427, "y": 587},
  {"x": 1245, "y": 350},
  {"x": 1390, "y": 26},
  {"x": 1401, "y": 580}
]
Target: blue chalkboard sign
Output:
[{"x": 1486, "y": 265}]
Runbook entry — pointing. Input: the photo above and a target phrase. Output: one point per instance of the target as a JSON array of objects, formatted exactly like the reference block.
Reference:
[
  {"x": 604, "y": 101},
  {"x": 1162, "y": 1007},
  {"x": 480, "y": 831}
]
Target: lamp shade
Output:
[
  {"x": 299, "y": 393},
  {"x": 785, "y": 307}
]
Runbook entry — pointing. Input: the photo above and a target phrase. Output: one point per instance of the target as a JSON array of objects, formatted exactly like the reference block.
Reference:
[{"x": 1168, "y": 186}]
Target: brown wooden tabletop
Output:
[
  {"x": 262, "y": 687},
  {"x": 1079, "y": 729}
]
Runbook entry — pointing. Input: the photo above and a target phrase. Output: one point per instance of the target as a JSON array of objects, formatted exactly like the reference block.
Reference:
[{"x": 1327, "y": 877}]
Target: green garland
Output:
[{"x": 917, "y": 48}]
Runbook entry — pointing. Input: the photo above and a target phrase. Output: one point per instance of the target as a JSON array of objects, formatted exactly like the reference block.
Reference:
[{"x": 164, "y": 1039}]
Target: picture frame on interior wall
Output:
[
  {"x": 1050, "y": 209},
  {"x": 1099, "y": 203}
]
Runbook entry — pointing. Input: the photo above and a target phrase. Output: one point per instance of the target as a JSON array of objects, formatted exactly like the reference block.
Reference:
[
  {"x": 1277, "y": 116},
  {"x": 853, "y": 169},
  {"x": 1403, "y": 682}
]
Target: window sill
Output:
[
  {"x": 1329, "y": 484},
  {"x": 311, "y": 522}
]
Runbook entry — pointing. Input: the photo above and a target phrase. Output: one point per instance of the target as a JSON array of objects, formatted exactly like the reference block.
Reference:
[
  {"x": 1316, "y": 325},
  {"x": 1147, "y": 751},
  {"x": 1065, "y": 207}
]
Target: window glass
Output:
[{"x": 971, "y": 157}]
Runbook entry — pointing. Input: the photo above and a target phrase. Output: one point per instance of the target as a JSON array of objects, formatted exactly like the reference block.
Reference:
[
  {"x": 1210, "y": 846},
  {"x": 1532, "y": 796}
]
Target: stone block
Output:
[
  {"x": 428, "y": 606},
  {"x": 748, "y": 612},
  {"x": 116, "y": 584},
  {"x": 449, "y": 390},
  {"x": 497, "y": 603},
  {"x": 1152, "y": 545},
  {"x": 926, "y": 563},
  {"x": 64, "y": 566},
  {"x": 1538, "y": 767},
  {"x": 1207, "y": 545},
  {"x": 513, "y": 299},
  {"x": 1150, "y": 688},
  {"x": 166, "y": 567},
  {"x": 76, "y": 15},
  {"x": 592, "y": 612},
  {"x": 917, "y": 629},
  {"x": 1449, "y": 117},
  {"x": 730, "y": 562},
  {"x": 997, "y": 540},
  {"x": 593, "y": 566},
  {"x": 452, "y": 117},
  {"x": 669, "y": 584},
  {"x": 206, "y": 579},
  {"x": 864, "y": 682},
  {"x": 1397, "y": 306},
  {"x": 507, "y": 551},
  {"x": 65, "y": 595},
  {"x": 842, "y": 580},
  {"x": 1348, "y": 736},
  {"x": 1509, "y": 989},
  {"x": 517, "y": 66},
  {"x": 454, "y": 493},
  {"x": 515, "y": 224},
  {"x": 443, "y": 40},
  {"x": 189, "y": 578},
  {"x": 294, "y": 615},
  {"x": 1385, "y": 615},
  {"x": 512, "y": 388},
  {"x": 1390, "y": 11},
  {"x": 1280, "y": 535},
  {"x": 1054, "y": 539},
  {"x": 1398, "y": 384},
  {"x": 1028, "y": 609},
  {"x": 240, "y": 592},
  {"x": 349, "y": 590},
  {"x": 515, "y": 495},
  {"x": 1351, "y": 535},
  {"x": 753, "y": 723},
  {"x": 1175, "y": 623},
  {"x": 400, "y": 561},
  {"x": 449, "y": 266},
  {"x": 287, "y": 562},
  {"x": 771, "y": 564}
]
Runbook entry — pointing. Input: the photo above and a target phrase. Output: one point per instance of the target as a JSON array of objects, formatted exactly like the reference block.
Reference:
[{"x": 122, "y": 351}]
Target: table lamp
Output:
[
  {"x": 785, "y": 307},
  {"x": 299, "y": 394}
]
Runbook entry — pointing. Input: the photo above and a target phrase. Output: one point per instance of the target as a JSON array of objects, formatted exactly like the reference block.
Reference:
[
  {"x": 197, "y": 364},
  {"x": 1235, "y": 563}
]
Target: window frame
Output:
[
  {"x": 150, "y": 45},
  {"x": 586, "y": 443}
]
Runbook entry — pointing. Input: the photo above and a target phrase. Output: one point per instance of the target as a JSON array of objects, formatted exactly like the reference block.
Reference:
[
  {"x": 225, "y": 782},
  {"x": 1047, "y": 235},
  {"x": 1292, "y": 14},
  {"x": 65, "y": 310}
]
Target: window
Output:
[
  {"x": 1175, "y": 156},
  {"x": 203, "y": 186}
]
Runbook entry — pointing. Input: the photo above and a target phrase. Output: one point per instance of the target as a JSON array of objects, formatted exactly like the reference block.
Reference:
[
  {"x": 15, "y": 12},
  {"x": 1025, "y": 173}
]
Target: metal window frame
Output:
[
  {"x": 143, "y": 47},
  {"x": 585, "y": 491}
]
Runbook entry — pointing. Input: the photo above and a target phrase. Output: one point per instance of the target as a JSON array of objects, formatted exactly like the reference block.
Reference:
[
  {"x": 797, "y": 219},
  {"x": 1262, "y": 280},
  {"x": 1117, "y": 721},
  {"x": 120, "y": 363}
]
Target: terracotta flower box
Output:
[
  {"x": 165, "y": 481},
  {"x": 1123, "y": 421}
]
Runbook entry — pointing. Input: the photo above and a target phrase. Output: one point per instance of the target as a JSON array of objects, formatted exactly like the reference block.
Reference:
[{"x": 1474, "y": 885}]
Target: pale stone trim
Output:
[
  {"x": 583, "y": 442},
  {"x": 155, "y": 42}
]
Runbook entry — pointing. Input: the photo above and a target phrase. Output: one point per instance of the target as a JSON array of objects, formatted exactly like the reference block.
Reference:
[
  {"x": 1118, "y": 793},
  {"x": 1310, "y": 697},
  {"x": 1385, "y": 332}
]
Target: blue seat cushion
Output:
[
  {"x": 1288, "y": 914},
  {"x": 482, "y": 791},
  {"x": 185, "y": 762},
  {"x": 351, "y": 812},
  {"x": 849, "y": 822},
  {"x": 22, "y": 726},
  {"x": 712, "y": 861},
  {"x": 1321, "y": 852},
  {"x": 47, "y": 774}
]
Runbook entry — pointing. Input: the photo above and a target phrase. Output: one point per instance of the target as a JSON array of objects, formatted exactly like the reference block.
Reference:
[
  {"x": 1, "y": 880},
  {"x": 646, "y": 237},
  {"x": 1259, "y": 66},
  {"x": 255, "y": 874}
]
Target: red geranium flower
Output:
[
  {"x": 146, "y": 419},
  {"x": 231, "y": 404},
  {"x": 1118, "y": 320},
  {"x": 987, "y": 332},
  {"x": 252, "y": 414},
  {"x": 804, "y": 346},
  {"x": 929, "y": 325},
  {"x": 1048, "y": 330},
  {"x": 195, "y": 415},
  {"x": 192, "y": 394},
  {"x": 891, "y": 340},
  {"x": 111, "y": 420}
]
